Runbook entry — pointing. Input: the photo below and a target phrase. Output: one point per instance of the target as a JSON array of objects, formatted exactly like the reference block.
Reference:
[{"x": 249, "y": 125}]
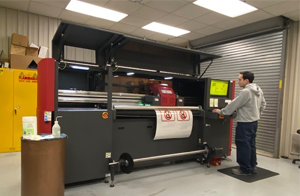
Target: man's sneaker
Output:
[
  {"x": 239, "y": 172},
  {"x": 254, "y": 170}
]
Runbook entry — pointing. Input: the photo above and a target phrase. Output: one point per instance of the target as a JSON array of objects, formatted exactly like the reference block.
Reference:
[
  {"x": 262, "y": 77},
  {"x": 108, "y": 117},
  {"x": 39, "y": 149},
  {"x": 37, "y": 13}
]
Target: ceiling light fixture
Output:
[
  {"x": 130, "y": 73},
  {"x": 96, "y": 11},
  {"x": 79, "y": 67},
  {"x": 231, "y": 8},
  {"x": 165, "y": 29},
  {"x": 168, "y": 78}
]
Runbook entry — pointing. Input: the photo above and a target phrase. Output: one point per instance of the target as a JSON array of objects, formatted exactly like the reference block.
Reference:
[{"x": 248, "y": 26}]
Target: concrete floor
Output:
[{"x": 186, "y": 179}]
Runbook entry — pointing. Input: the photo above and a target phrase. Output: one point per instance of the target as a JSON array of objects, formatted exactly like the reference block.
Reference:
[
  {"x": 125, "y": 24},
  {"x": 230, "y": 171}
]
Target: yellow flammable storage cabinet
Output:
[{"x": 18, "y": 98}]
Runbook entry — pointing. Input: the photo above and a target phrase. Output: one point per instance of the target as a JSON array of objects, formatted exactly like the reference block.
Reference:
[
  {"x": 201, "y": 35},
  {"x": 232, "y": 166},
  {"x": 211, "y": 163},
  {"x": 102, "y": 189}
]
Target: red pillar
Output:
[
  {"x": 231, "y": 120},
  {"x": 46, "y": 93}
]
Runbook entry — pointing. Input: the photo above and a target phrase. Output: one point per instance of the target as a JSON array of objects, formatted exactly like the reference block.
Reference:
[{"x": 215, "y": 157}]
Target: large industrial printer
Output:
[{"x": 113, "y": 126}]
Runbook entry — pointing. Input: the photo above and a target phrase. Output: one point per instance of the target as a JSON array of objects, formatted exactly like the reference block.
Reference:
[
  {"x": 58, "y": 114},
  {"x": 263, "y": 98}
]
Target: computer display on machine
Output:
[{"x": 218, "y": 88}]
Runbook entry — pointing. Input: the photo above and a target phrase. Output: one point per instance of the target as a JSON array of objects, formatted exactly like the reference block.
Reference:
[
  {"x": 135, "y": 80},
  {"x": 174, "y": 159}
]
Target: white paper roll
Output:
[{"x": 173, "y": 124}]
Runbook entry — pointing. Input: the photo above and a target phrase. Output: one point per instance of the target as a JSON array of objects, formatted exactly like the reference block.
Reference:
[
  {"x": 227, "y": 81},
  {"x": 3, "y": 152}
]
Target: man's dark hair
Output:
[{"x": 248, "y": 75}]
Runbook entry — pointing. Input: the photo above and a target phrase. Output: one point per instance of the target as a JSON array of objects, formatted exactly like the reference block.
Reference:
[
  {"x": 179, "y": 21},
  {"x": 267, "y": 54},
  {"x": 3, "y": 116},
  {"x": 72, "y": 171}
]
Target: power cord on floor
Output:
[{"x": 226, "y": 159}]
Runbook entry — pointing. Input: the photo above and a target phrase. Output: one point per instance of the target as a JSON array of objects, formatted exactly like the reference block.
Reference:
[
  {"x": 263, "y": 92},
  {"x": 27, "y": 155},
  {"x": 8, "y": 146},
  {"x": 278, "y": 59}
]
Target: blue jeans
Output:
[{"x": 245, "y": 143}]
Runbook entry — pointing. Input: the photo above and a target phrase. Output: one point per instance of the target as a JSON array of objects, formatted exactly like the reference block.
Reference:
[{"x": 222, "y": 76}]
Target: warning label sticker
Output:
[
  {"x": 183, "y": 115},
  {"x": 166, "y": 91},
  {"x": 28, "y": 77},
  {"x": 167, "y": 115}
]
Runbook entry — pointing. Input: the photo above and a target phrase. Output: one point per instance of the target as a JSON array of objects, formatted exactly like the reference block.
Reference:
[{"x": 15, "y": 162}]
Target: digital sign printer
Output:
[{"x": 140, "y": 102}]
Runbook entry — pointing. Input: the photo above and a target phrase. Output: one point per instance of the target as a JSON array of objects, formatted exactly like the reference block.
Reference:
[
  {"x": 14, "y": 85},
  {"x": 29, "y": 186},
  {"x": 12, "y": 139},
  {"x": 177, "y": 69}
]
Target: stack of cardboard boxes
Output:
[{"x": 21, "y": 55}]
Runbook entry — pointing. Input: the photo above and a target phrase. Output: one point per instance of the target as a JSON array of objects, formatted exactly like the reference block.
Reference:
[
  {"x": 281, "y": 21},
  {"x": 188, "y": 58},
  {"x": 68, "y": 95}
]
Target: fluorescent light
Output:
[
  {"x": 130, "y": 73},
  {"x": 168, "y": 78},
  {"x": 96, "y": 11},
  {"x": 79, "y": 67},
  {"x": 165, "y": 29},
  {"x": 231, "y": 8},
  {"x": 116, "y": 76}
]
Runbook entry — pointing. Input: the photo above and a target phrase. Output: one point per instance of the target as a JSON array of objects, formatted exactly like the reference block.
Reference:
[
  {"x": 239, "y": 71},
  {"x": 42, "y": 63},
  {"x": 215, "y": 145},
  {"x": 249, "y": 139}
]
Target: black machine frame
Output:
[{"x": 95, "y": 141}]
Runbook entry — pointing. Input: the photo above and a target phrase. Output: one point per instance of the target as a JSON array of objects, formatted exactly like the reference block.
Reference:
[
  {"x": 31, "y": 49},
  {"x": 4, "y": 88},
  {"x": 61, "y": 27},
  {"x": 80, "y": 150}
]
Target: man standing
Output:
[{"x": 250, "y": 104}]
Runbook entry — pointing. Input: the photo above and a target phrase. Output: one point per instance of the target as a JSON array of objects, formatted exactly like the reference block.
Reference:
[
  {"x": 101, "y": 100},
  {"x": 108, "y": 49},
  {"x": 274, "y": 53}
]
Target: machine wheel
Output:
[
  {"x": 206, "y": 155},
  {"x": 126, "y": 163}
]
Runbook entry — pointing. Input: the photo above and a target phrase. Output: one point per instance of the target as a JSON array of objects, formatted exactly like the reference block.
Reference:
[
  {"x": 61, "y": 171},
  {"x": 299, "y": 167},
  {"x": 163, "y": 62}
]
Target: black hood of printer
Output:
[{"x": 131, "y": 51}]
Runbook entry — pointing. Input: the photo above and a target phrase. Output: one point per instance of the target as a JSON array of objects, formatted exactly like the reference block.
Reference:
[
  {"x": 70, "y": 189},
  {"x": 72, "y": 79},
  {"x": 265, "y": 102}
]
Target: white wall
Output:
[
  {"x": 39, "y": 29},
  {"x": 291, "y": 97}
]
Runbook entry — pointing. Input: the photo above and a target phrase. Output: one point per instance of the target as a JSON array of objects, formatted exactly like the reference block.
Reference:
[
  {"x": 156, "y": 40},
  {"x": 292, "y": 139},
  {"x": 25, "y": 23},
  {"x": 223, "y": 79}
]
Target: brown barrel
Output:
[{"x": 43, "y": 167}]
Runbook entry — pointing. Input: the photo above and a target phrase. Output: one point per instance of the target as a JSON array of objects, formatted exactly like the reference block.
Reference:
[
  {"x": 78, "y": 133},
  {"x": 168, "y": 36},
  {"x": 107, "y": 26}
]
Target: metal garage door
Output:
[{"x": 263, "y": 55}]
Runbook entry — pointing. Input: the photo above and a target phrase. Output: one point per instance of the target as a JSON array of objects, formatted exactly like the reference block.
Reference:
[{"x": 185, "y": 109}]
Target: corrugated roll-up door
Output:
[{"x": 261, "y": 55}]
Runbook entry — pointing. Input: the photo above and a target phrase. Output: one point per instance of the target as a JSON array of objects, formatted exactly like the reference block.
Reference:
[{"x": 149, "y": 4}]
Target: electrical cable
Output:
[
  {"x": 99, "y": 76},
  {"x": 116, "y": 49},
  {"x": 63, "y": 67},
  {"x": 109, "y": 52},
  {"x": 227, "y": 159},
  {"x": 116, "y": 68},
  {"x": 206, "y": 69}
]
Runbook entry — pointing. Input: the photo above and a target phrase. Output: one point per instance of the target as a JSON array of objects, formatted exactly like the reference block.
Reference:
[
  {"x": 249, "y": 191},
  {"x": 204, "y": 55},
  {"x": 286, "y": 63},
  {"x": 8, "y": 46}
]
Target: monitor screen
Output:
[{"x": 218, "y": 87}]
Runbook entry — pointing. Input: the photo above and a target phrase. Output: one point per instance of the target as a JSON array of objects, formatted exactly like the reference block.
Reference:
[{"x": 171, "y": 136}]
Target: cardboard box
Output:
[
  {"x": 43, "y": 52},
  {"x": 31, "y": 51},
  {"x": 20, "y": 40},
  {"x": 33, "y": 45},
  {"x": 22, "y": 62},
  {"x": 14, "y": 49},
  {"x": 5, "y": 60}
]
